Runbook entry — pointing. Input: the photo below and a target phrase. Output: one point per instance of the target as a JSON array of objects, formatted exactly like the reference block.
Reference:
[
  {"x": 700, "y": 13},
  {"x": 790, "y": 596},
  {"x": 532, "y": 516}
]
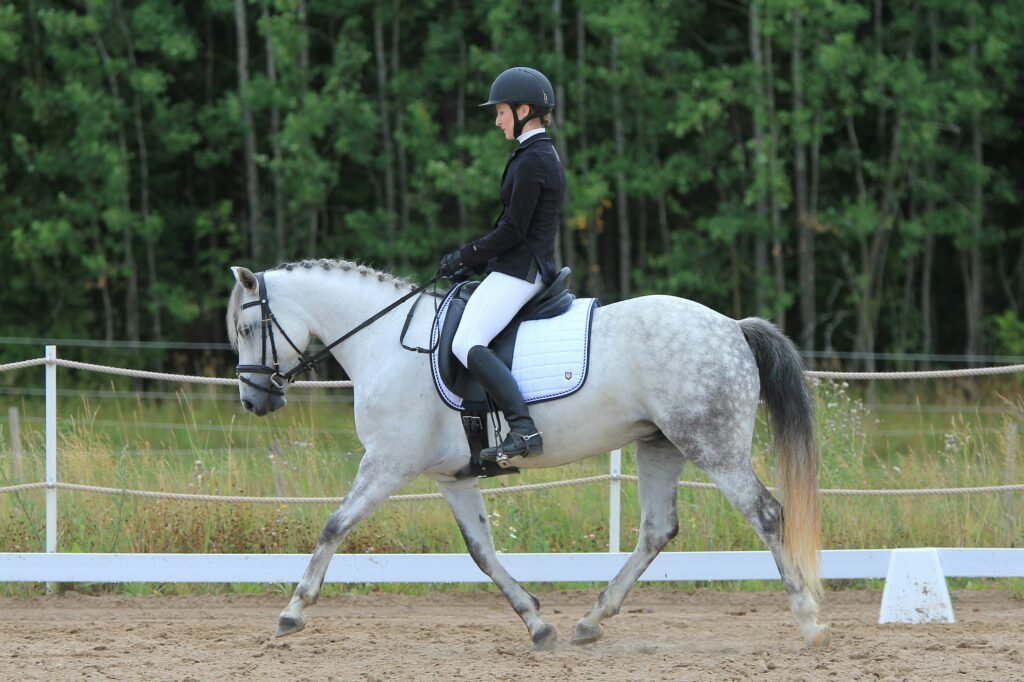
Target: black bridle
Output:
[{"x": 279, "y": 379}]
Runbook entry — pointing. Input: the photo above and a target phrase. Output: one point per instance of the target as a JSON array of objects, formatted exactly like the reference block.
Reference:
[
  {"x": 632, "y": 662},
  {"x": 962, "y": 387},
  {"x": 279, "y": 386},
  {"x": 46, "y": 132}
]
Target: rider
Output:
[{"x": 518, "y": 252}]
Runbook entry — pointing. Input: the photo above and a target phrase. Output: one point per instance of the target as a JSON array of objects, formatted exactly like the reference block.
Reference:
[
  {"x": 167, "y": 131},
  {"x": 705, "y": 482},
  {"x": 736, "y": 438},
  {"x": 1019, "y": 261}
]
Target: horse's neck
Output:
[{"x": 335, "y": 302}]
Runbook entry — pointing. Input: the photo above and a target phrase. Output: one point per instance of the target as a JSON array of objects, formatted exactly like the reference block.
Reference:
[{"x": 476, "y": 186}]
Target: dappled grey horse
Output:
[{"x": 676, "y": 378}]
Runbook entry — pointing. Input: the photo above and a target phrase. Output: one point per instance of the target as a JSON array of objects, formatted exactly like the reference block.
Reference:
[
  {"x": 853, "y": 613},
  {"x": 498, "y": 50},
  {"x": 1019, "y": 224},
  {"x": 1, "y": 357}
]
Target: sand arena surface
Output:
[{"x": 658, "y": 636}]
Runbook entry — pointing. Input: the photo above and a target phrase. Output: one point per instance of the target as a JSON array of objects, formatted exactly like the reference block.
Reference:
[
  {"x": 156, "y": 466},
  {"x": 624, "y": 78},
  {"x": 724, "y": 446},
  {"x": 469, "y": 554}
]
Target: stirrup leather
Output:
[{"x": 514, "y": 445}]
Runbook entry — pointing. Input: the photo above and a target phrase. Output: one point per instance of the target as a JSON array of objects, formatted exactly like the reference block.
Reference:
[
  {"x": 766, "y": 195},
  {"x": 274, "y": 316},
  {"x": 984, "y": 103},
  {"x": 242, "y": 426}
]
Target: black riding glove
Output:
[{"x": 451, "y": 265}]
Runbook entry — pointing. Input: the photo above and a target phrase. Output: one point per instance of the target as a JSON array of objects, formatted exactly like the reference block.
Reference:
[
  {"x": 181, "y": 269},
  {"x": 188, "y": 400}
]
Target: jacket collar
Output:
[
  {"x": 523, "y": 145},
  {"x": 533, "y": 138}
]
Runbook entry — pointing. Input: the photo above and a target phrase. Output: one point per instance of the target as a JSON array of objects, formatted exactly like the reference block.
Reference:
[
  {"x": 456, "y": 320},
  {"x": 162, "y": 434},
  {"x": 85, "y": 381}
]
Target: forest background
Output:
[{"x": 851, "y": 170}]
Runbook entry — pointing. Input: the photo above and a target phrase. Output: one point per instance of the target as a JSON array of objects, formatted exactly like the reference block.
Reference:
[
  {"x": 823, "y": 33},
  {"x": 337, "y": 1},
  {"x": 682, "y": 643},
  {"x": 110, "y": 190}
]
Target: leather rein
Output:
[{"x": 279, "y": 379}]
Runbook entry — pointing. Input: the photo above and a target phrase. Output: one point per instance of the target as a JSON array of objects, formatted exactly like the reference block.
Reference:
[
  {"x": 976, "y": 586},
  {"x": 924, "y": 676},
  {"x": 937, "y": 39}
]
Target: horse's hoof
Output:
[
  {"x": 586, "y": 634},
  {"x": 289, "y": 625},
  {"x": 544, "y": 639},
  {"x": 821, "y": 639}
]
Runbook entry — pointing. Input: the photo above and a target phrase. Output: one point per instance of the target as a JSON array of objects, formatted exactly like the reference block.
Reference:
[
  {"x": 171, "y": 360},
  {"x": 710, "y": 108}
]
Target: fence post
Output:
[
  {"x": 14, "y": 422},
  {"x": 51, "y": 454},
  {"x": 614, "y": 501},
  {"x": 1011, "y": 474}
]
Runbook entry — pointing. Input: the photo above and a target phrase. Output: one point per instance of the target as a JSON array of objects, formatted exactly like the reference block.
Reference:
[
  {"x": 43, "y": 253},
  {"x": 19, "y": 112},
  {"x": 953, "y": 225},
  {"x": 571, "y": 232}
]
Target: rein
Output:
[{"x": 279, "y": 379}]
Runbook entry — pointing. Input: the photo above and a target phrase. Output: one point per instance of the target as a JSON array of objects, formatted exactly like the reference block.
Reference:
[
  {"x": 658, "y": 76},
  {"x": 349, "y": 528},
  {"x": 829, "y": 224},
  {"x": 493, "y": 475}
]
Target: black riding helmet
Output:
[{"x": 522, "y": 85}]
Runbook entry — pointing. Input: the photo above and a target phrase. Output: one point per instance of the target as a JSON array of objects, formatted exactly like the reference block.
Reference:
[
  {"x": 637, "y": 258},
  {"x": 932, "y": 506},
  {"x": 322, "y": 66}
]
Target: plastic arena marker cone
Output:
[{"x": 915, "y": 589}]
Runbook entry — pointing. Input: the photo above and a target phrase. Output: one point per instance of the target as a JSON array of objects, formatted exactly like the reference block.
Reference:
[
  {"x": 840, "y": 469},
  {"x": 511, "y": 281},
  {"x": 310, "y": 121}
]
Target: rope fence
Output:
[
  {"x": 419, "y": 497},
  {"x": 219, "y": 381},
  {"x": 933, "y": 374},
  {"x": 157, "y": 376},
  {"x": 189, "y": 497}
]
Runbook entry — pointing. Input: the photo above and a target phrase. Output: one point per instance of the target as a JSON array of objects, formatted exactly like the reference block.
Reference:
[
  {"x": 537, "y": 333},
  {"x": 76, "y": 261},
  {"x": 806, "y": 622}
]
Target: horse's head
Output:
[{"x": 269, "y": 342}]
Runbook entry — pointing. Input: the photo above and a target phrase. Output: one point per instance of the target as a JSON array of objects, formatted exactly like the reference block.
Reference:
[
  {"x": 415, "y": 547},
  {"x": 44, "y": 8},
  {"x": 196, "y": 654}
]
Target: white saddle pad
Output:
[{"x": 550, "y": 358}]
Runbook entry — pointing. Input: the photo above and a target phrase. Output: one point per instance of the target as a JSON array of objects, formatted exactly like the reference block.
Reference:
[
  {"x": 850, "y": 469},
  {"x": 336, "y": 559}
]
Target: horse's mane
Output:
[
  {"x": 346, "y": 266},
  {"x": 335, "y": 264}
]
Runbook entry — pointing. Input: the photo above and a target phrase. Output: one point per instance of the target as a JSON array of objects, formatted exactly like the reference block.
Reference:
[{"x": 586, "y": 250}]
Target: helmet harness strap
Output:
[{"x": 518, "y": 123}]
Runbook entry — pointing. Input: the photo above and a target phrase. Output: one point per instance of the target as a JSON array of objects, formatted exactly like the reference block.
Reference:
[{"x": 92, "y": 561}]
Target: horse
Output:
[{"x": 676, "y": 378}]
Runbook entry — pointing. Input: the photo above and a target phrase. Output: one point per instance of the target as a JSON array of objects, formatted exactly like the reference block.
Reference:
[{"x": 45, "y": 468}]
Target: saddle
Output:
[{"x": 552, "y": 301}]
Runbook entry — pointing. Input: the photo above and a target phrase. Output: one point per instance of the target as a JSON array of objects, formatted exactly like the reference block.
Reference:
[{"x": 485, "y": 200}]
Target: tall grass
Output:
[{"x": 309, "y": 449}]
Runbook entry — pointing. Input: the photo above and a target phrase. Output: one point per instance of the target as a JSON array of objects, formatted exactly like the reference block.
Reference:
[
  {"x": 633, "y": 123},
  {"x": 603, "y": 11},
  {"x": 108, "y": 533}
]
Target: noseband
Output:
[{"x": 279, "y": 379}]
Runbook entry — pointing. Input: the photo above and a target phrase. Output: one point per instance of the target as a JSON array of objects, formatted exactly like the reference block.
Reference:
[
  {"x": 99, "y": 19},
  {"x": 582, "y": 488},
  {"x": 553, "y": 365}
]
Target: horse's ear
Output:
[{"x": 245, "y": 277}]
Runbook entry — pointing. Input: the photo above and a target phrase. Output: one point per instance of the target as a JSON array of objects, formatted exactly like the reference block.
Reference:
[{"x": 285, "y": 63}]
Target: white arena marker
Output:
[{"x": 915, "y": 589}]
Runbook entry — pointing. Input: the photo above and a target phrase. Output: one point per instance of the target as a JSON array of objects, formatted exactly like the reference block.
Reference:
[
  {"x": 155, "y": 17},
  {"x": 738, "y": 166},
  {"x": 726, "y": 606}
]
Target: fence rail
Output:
[
  {"x": 836, "y": 564},
  {"x": 52, "y": 566}
]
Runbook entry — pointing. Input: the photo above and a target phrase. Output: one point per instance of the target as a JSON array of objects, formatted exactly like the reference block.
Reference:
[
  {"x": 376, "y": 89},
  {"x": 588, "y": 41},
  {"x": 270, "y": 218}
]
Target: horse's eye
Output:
[{"x": 244, "y": 332}]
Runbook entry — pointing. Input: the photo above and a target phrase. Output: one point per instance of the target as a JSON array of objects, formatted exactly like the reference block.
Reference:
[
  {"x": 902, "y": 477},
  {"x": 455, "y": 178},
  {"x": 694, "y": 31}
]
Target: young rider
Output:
[{"x": 518, "y": 253}]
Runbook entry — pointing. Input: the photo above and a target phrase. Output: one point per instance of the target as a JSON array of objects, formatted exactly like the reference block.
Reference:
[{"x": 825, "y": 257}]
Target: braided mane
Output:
[
  {"x": 334, "y": 264},
  {"x": 346, "y": 266}
]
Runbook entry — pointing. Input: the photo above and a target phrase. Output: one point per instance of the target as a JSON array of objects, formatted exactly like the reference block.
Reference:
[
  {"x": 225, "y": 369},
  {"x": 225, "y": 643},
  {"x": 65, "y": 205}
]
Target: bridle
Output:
[{"x": 279, "y": 379}]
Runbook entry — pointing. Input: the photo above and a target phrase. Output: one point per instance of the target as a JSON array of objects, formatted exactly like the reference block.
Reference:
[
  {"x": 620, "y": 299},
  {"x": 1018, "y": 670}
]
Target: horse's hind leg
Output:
[
  {"x": 658, "y": 465},
  {"x": 467, "y": 505},
  {"x": 748, "y": 495}
]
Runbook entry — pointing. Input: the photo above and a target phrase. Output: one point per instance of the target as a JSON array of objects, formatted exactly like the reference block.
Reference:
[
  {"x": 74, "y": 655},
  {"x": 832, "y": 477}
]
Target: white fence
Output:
[{"x": 53, "y": 566}]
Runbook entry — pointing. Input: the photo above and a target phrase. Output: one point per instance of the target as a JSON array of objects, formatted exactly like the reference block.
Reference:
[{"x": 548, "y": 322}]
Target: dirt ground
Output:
[{"x": 659, "y": 635}]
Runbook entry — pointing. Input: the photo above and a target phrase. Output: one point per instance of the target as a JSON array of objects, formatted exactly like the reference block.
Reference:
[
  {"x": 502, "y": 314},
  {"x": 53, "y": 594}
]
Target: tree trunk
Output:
[
  {"x": 280, "y": 229},
  {"x": 622, "y": 206},
  {"x": 103, "y": 281},
  {"x": 460, "y": 130},
  {"x": 928, "y": 256},
  {"x": 880, "y": 122},
  {"x": 149, "y": 240},
  {"x": 973, "y": 267},
  {"x": 565, "y": 248},
  {"x": 403, "y": 157},
  {"x": 778, "y": 253},
  {"x": 663, "y": 229},
  {"x": 314, "y": 216},
  {"x": 594, "y": 280},
  {"x": 805, "y": 225},
  {"x": 131, "y": 291},
  {"x": 757, "y": 167},
  {"x": 252, "y": 188},
  {"x": 387, "y": 145}
]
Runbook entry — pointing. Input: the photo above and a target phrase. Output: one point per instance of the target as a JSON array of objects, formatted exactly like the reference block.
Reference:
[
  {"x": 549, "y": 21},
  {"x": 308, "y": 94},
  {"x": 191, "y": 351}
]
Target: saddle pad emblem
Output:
[{"x": 550, "y": 359}]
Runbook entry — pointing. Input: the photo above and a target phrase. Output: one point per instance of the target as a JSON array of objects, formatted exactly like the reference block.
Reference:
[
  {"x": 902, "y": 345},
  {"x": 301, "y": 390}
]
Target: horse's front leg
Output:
[
  {"x": 371, "y": 487},
  {"x": 467, "y": 505}
]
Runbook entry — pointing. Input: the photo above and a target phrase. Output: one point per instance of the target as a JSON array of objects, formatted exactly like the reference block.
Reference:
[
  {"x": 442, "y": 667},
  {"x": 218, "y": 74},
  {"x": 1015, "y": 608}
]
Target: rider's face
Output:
[{"x": 503, "y": 119}]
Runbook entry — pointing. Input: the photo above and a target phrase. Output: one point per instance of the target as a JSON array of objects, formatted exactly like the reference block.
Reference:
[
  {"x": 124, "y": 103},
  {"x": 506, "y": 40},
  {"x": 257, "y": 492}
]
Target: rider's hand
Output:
[{"x": 451, "y": 264}]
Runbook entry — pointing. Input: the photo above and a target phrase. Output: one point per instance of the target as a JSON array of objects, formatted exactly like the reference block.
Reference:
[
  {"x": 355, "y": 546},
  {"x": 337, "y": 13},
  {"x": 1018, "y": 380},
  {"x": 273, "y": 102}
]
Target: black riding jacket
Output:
[{"x": 522, "y": 242}]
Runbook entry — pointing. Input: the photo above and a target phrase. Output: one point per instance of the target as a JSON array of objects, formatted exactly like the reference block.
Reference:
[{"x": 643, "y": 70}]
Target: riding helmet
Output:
[{"x": 522, "y": 85}]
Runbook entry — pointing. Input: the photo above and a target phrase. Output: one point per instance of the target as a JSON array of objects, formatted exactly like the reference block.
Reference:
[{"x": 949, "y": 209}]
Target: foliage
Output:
[{"x": 145, "y": 147}]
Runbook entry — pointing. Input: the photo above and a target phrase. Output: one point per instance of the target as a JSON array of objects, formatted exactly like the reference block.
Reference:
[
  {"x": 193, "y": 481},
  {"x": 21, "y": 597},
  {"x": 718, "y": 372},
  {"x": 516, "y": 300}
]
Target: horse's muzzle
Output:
[{"x": 264, "y": 405}]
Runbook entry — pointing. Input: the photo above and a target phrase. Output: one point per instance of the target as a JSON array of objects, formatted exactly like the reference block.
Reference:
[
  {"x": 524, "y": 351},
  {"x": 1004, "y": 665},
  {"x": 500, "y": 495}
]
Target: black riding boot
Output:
[{"x": 523, "y": 438}]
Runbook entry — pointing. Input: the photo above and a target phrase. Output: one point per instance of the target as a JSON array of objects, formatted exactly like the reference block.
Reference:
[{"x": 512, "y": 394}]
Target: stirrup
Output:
[{"x": 514, "y": 445}]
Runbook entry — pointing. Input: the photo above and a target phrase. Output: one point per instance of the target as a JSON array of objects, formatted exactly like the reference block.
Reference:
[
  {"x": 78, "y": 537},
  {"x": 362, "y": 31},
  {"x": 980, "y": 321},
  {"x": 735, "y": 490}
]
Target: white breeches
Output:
[{"x": 492, "y": 306}]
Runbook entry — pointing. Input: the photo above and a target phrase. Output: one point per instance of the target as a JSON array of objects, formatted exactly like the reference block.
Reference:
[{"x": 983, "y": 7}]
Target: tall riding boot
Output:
[{"x": 523, "y": 438}]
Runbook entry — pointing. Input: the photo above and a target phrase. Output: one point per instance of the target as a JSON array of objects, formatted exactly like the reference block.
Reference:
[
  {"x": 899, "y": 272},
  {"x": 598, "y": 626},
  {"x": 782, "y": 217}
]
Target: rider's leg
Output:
[
  {"x": 523, "y": 437},
  {"x": 492, "y": 306}
]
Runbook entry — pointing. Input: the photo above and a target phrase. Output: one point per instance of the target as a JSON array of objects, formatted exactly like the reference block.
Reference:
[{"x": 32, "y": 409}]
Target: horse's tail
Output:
[{"x": 791, "y": 417}]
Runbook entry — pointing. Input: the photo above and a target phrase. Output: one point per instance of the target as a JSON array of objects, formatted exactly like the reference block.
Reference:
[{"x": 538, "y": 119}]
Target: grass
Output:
[{"x": 198, "y": 445}]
